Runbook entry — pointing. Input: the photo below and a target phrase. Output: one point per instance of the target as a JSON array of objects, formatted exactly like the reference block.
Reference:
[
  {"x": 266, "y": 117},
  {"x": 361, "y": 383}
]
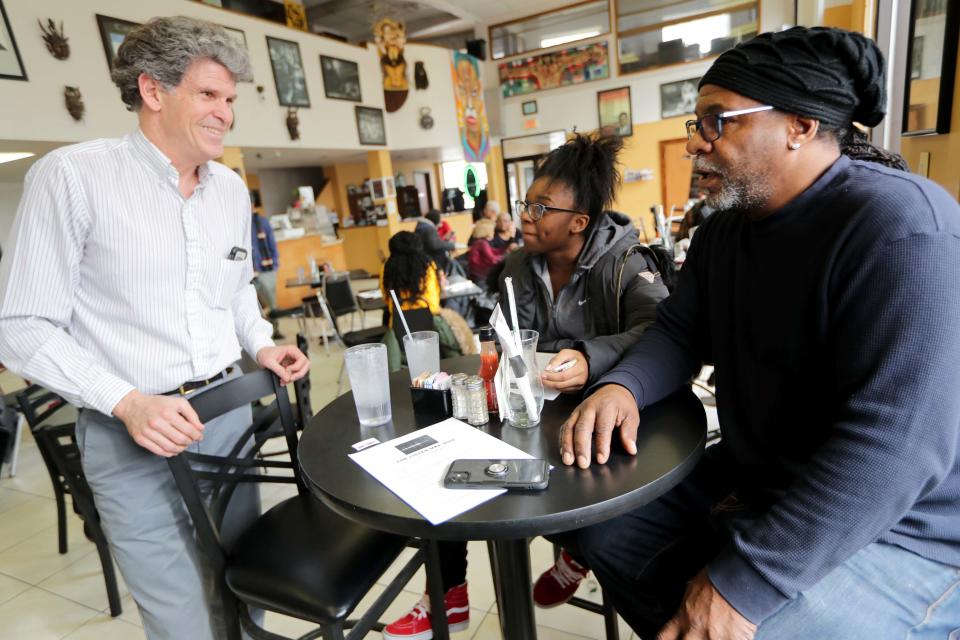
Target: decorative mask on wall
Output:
[
  {"x": 74, "y": 102},
  {"x": 471, "y": 111},
  {"x": 420, "y": 80},
  {"x": 56, "y": 42},
  {"x": 293, "y": 123},
  {"x": 426, "y": 120},
  {"x": 391, "y": 36}
]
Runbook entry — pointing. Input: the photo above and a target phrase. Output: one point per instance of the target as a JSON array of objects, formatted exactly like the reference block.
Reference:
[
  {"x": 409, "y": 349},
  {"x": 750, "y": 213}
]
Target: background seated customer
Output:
[
  {"x": 127, "y": 285},
  {"x": 413, "y": 275},
  {"x": 481, "y": 256},
  {"x": 435, "y": 247},
  {"x": 507, "y": 235},
  {"x": 831, "y": 507},
  {"x": 574, "y": 250}
]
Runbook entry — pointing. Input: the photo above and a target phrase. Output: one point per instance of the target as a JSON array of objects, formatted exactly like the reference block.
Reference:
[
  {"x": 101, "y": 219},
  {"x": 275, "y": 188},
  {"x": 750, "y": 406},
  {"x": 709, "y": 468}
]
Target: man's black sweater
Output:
[{"x": 834, "y": 325}]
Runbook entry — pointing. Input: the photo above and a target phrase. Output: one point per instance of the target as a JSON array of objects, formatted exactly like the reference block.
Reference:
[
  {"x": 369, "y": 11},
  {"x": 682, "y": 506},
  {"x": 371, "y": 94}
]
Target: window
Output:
[
  {"x": 653, "y": 33},
  {"x": 453, "y": 177},
  {"x": 569, "y": 24}
]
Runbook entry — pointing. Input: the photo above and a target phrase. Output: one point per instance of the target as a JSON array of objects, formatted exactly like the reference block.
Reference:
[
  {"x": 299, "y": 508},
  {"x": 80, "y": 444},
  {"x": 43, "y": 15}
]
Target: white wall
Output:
[
  {"x": 10, "y": 193},
  {"x": 34, "y": 110}
]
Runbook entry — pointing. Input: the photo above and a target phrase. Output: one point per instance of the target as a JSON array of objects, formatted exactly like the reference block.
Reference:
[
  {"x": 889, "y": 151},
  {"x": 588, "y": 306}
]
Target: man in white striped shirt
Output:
[{"x": 127, "y": 279}]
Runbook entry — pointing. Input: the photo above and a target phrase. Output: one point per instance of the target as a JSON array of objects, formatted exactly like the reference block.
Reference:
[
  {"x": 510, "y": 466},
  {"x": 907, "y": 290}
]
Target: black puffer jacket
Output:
[{"x": 609, "y": 301}]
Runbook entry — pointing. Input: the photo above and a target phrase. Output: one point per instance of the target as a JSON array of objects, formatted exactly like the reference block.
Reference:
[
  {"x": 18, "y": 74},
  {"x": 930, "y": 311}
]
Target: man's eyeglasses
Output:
[
  {"x": 536, "y": 210},
  {"x": 710, "y": 126}
]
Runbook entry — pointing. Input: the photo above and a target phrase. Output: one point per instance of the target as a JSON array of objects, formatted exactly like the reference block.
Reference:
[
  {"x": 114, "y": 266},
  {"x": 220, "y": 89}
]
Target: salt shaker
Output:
[
  {"x": 476, "y": 397},
  {"x": 458, "y": 391}
]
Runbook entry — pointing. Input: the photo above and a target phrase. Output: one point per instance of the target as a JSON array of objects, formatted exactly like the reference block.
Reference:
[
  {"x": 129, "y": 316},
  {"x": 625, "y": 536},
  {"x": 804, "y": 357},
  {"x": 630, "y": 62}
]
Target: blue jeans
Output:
[{"x": 644, "y": 559}]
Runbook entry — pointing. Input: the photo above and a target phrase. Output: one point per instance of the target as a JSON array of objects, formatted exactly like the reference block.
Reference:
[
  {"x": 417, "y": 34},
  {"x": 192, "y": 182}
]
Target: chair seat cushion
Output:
[
  {"x": 303, "y": 560},
  {"x": 364, "y": 336}
]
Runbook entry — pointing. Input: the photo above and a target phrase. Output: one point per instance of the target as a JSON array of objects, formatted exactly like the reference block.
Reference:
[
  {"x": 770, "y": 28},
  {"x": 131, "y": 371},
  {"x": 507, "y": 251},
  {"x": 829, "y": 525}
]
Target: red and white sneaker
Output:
[
  {"x": 417, "y": 625},
  {"x": 558, "y": 584}
]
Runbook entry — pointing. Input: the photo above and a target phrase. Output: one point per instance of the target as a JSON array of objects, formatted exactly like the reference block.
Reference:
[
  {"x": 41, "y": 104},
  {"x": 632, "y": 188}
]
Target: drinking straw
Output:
[
  {"x": 513, "y": 311},
  {"x": 396, "y": 305}
]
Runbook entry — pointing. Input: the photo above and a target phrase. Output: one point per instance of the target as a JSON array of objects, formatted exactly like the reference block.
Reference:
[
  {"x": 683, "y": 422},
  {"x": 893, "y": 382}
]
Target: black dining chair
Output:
[
  {"x": 53, "y": 424},
  {"x": 298, "y": 559}
]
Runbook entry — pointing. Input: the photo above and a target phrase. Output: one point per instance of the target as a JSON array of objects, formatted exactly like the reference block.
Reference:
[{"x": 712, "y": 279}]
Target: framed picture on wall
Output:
[
  {"x": 288, "y": 72},
  {"x": 613, "y": 110},
  {"x": 370, "y": 128},
  {"x": 341, "y": 78},
  {"x": 678, "y": 98},
  {"x": 529, "y": 108},
  {"x": 112, "y": 33},
  {"x": 932, "y": 62},
  {"x": 237, "y": 36},
  {"x": 11, "y": 66}
]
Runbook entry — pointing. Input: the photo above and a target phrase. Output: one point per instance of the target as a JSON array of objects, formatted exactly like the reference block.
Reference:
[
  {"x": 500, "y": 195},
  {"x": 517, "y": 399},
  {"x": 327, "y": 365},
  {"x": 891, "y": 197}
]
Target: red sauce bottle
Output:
[{"x": 489, "y": 360}]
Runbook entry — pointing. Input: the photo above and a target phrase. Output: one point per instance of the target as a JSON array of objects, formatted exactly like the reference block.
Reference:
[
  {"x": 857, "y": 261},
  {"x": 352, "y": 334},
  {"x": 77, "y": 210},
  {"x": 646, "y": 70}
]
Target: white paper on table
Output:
[
  {"x": 543, "y": 359},
  {"x": 372, "y": 294},
  {"x": 413, "y": 466}
]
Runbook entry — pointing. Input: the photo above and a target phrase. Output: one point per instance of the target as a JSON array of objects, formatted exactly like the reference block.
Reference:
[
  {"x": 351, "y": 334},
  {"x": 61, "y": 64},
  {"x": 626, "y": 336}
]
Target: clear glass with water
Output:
[
  {"x": 370, "y": 381},
  {"x": 528, "y": 343},
  {"x": 423, "y": 352}
]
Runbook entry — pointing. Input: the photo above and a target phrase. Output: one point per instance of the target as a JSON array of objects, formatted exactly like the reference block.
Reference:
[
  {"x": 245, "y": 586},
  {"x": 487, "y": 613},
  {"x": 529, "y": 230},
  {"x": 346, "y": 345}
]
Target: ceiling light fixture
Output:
[{"x": 10, "y": 156}]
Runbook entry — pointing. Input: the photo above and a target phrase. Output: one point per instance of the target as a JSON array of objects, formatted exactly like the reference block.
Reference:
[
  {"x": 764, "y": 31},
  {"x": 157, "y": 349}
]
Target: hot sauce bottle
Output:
[{"x": 489, "y": 360}]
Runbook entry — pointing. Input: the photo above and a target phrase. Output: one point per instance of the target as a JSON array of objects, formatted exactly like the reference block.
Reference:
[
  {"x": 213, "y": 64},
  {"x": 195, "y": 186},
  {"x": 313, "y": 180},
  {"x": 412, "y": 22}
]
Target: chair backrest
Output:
[
  {"x": 339, "y": 294},
  {"x": 417, "y": 320},
  {"x": 222, "y": 474},
  {"x": 38, "y": 406},
  {"x": 301, "y": 388}
]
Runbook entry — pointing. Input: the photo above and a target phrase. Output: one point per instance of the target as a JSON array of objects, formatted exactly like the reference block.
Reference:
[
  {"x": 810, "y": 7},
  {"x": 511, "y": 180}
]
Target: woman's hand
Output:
[{"x": 571, "y": 379}]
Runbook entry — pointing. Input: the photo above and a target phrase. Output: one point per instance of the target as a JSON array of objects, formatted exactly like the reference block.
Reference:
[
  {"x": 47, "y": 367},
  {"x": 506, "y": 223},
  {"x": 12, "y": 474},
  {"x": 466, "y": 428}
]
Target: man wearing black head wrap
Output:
[{"x": 825, "y": 292}]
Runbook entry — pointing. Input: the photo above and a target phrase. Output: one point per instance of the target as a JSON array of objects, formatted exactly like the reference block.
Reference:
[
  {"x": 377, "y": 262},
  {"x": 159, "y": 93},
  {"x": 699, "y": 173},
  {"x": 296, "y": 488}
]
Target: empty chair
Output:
[
  {"x": 299, "y": 558},
  {"x": 53, "y": 424}
]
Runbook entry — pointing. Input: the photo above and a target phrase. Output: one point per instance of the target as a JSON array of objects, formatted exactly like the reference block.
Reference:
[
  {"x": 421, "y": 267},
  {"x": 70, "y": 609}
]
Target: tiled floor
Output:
[{"x": 45, "y": 595}]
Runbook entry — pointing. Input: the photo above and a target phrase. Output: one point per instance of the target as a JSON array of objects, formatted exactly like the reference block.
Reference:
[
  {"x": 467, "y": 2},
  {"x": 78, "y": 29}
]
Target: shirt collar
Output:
[{"x": 159, "y": 162}]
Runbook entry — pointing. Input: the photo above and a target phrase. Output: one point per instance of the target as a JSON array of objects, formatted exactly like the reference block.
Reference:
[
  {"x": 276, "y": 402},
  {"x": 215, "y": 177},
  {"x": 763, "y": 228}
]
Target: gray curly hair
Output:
[{"x": 163, "y": 48}]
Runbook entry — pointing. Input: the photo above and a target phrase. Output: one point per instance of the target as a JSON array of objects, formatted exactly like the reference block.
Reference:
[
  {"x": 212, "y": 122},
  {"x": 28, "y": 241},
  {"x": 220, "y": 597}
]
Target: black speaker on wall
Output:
[{"x": 477, "y": 48}]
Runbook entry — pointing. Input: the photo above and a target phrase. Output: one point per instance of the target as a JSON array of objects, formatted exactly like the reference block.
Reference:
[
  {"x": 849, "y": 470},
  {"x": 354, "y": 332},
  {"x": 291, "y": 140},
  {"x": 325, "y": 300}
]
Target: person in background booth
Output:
[
  {"x": 266, "y": 261},
  {"x": 127, "y": 286},
  {"x": 824, "y": 290},
  {"x": 433, "y": 245}
]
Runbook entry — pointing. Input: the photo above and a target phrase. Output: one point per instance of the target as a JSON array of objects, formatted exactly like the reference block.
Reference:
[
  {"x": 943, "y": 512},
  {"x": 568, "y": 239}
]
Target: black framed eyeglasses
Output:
[
  {"x": 536, "y": 210},
  {"x": 710, "y": 126}
]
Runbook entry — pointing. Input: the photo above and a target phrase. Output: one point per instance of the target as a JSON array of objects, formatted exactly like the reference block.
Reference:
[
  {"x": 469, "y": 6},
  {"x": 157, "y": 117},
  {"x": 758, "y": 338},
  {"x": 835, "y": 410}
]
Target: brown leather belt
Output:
[{"x": 189, "y": 387}]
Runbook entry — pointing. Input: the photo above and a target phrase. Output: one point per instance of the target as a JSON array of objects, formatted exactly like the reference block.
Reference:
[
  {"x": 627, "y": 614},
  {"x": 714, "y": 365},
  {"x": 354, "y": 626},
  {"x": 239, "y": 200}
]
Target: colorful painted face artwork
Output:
[
  {"x": 471, "y": 111},
  {"x": 555, "y": 69},
  {"x": 391, "y": 36}
]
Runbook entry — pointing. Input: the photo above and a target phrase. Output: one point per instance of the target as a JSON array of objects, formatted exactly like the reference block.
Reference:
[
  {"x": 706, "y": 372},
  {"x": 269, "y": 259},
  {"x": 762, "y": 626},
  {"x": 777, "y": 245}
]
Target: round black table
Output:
[{"x": 669, "y": 443}]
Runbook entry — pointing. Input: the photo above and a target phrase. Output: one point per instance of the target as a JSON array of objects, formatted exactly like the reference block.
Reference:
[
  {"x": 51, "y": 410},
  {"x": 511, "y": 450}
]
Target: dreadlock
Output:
[
  {"x": 406, "y": 268},
  {"x": 586, "y": 164},
  {"x": 855, "y": 144}
]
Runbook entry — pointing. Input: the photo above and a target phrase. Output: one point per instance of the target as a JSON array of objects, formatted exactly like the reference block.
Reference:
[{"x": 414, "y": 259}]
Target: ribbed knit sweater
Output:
[{"x": 834, "y": 325}]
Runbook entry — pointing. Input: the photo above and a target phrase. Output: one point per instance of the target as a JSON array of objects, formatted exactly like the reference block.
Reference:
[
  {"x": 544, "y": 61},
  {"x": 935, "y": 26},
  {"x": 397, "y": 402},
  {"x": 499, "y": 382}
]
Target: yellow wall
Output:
[
  {"x": 944, "y": 149},
  {"x": 840, "y": 16},
  {"x": 642, "y": 151}
]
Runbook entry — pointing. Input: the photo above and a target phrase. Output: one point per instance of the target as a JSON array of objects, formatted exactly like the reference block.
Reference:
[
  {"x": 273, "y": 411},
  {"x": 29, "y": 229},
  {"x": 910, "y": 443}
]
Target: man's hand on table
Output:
[
  {"x": 285, "y": 360},
  {"x": 570, "y": 380},
  {"x": 704, "y": 614},
  {"x": 162, "y": 425},
  {"x": 593, "y": 422}
]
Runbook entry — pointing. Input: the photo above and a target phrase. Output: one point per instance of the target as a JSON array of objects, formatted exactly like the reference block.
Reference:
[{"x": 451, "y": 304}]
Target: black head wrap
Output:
[{"x": 832, "y": 75}]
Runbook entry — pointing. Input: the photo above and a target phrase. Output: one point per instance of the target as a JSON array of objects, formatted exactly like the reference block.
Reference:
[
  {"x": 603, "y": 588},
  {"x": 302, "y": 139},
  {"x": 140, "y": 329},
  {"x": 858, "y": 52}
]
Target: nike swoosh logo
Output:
[{"x": 581, "y": 302}]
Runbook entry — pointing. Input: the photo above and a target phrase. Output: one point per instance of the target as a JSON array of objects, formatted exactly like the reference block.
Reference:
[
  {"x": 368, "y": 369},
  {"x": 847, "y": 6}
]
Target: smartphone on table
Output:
[{"x": 497, "y": 474}]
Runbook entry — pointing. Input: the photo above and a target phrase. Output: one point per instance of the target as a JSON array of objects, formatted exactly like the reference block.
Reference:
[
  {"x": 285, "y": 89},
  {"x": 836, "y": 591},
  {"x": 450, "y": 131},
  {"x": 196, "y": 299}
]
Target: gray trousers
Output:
[{"x": 148, "y": 527}]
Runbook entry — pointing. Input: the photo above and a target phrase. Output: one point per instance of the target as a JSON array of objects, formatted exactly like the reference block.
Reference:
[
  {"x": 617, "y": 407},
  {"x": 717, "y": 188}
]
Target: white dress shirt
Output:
[{"x": 112, "y": 281}]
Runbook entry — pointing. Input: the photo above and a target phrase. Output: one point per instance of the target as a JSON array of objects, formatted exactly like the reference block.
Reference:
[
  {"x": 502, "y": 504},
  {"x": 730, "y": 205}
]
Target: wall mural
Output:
[
  {"x": 391, "y": 36},
  {"x": 471, "y": 111},
  {"x": 555, "y": 69}
]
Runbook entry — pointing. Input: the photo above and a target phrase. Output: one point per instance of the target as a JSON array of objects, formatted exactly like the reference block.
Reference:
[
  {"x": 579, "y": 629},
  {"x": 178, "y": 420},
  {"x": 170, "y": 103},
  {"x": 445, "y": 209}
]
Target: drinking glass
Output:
[
  {"x": 528, "y": 345},
  {"x": 423, "y": 352},
  {"x": 370, "y": 380}
]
